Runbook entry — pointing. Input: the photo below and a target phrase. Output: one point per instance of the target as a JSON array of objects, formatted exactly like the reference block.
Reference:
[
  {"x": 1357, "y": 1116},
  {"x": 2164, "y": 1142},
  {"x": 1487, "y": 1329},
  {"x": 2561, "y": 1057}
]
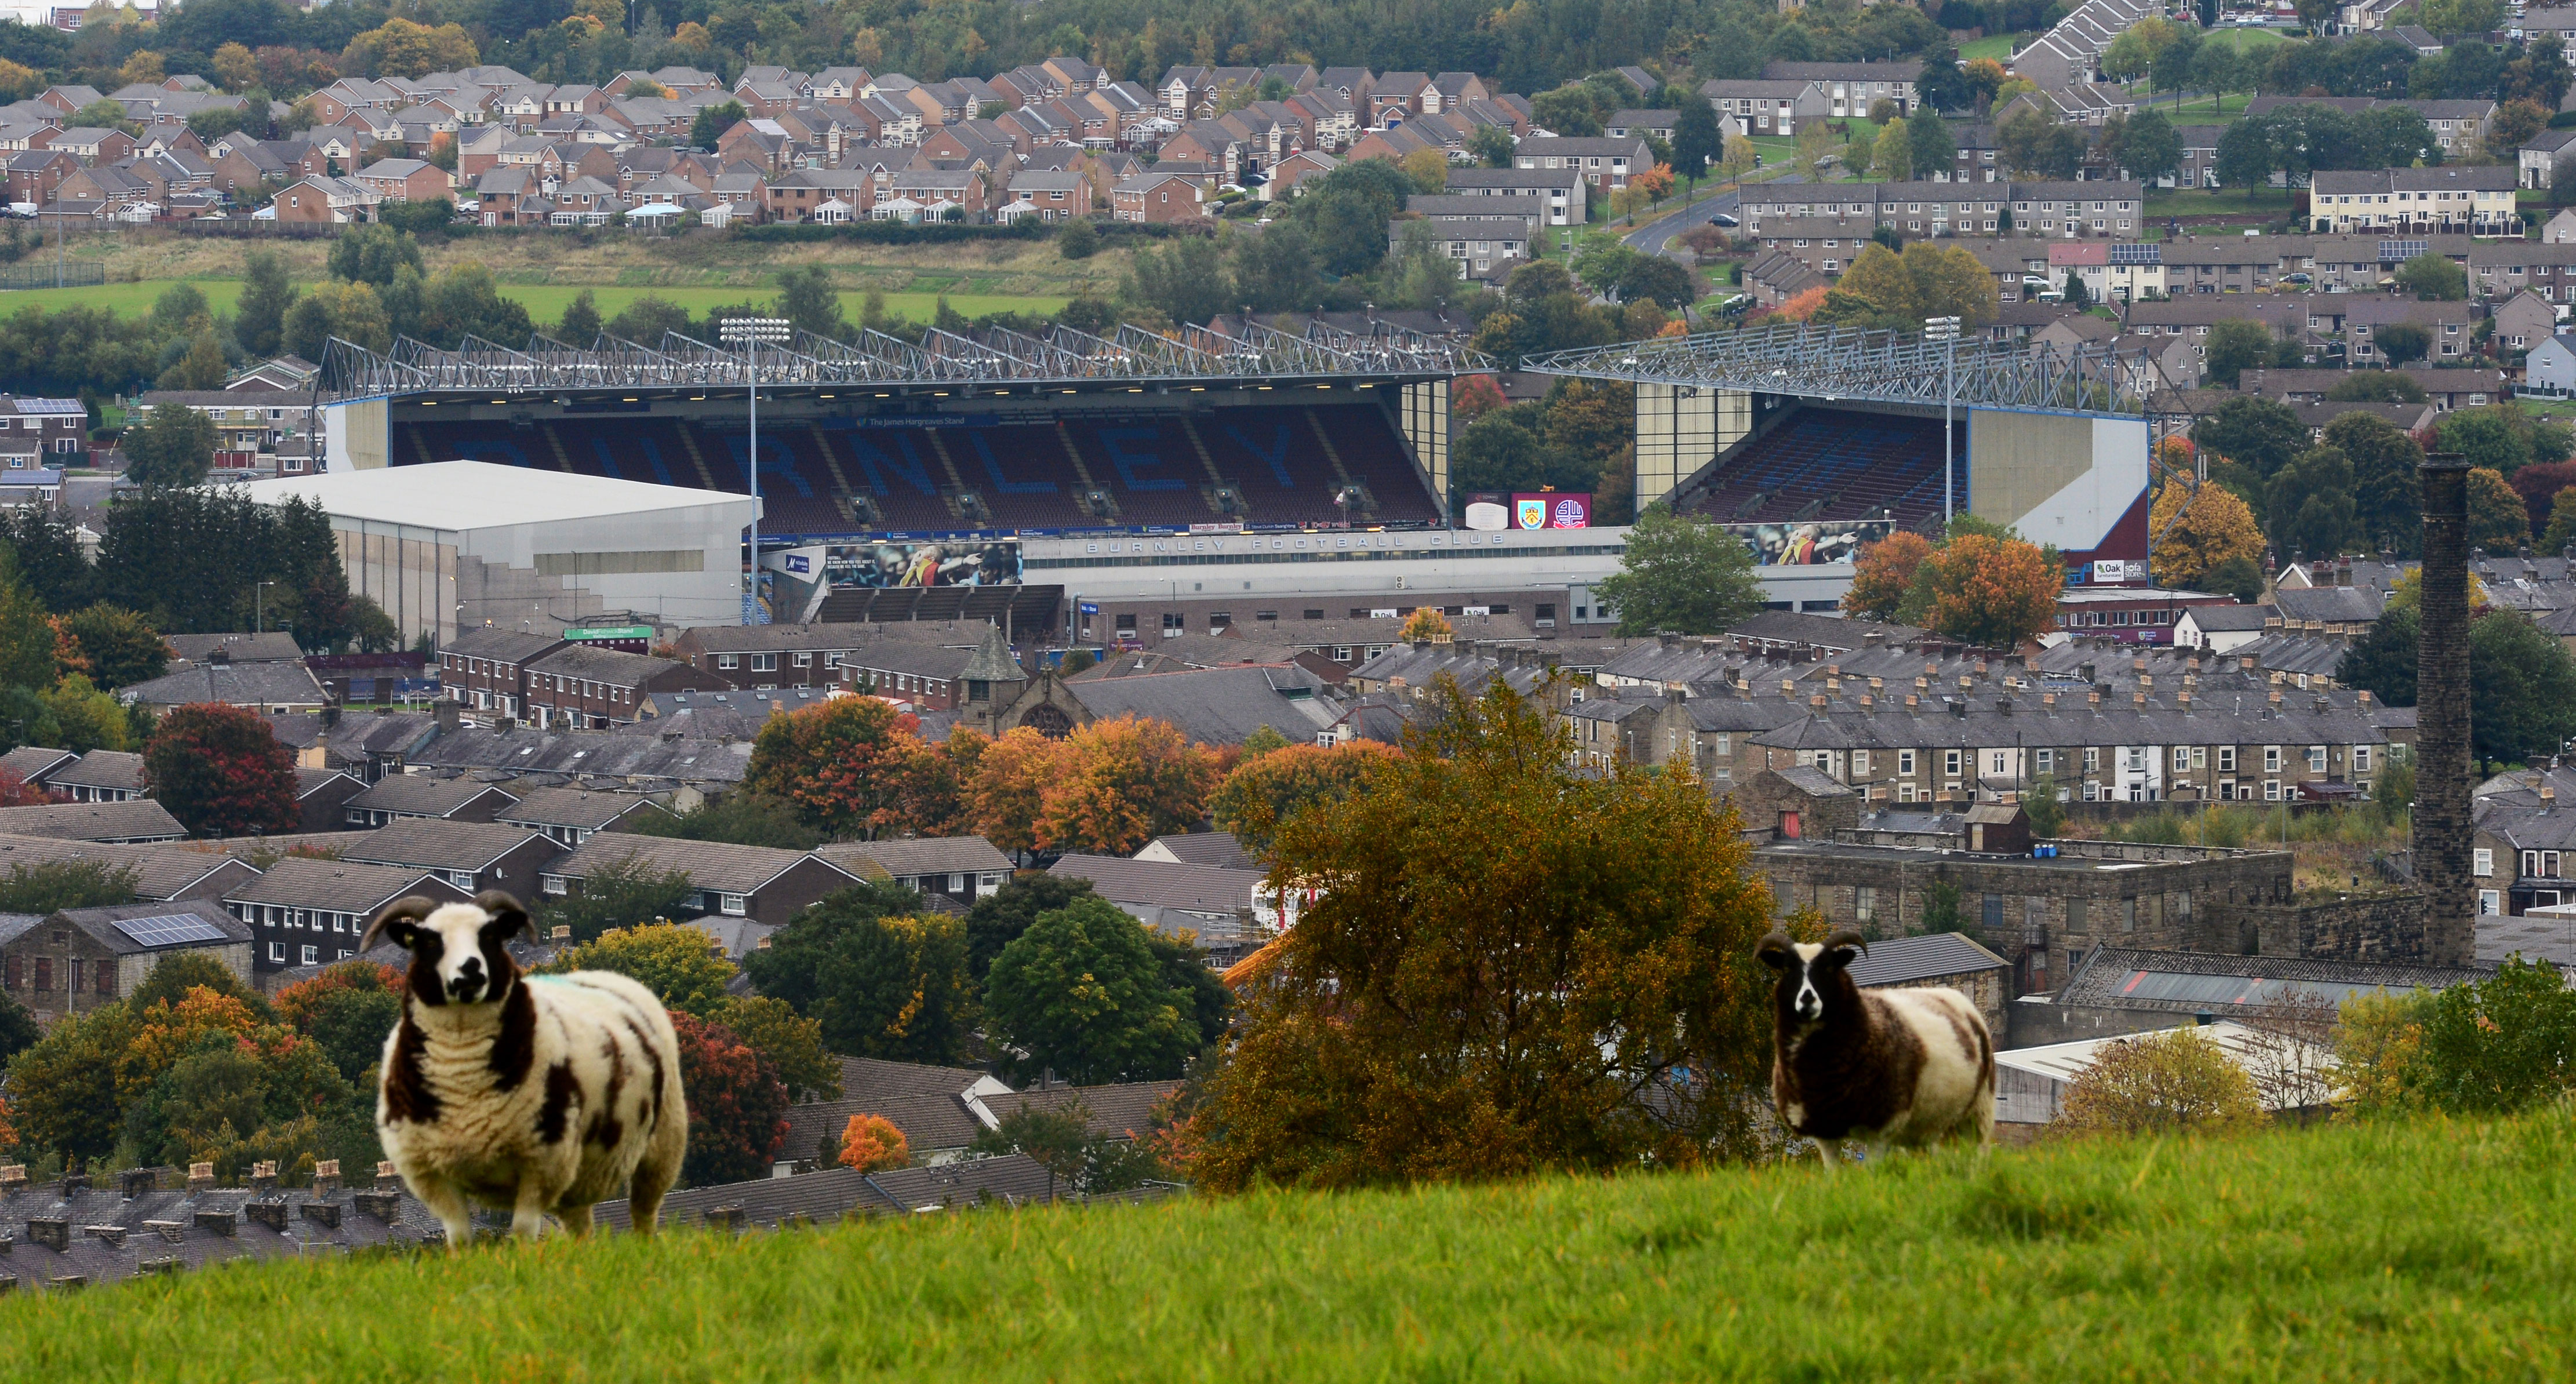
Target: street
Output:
[{"x": 1656, "y": 237}]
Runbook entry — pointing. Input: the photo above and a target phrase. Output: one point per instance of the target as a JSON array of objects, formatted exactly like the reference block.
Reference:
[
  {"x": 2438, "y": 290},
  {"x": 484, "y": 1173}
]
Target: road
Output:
[{"x": 1656, "y": 237}]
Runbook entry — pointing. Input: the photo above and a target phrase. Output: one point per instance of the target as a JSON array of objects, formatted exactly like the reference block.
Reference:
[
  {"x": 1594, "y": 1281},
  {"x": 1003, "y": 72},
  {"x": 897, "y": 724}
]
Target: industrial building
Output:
[{"x": 454, "y": 545}]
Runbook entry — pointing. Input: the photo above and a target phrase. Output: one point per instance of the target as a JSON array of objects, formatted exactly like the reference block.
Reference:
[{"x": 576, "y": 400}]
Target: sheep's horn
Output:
[
  {"x": 408, "y": 909},
  {"x": 1847, "y": 937}
]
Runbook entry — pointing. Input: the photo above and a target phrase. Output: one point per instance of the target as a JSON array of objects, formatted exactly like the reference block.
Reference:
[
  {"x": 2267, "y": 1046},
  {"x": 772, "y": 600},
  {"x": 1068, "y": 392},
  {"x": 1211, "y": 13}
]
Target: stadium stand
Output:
[
  {"x": 1831, "y": 464},
  {"x": 821, "y": 477}
]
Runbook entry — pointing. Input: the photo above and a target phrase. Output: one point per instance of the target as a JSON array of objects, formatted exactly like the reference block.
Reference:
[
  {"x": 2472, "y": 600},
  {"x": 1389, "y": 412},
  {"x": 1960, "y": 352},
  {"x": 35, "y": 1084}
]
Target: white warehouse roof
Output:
[{"x": 465, "y": 495}]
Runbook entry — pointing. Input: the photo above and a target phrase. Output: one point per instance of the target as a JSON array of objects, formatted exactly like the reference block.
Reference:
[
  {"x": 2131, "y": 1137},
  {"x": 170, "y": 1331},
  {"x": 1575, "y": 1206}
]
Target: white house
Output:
[{"x": 2551, "y": 366}]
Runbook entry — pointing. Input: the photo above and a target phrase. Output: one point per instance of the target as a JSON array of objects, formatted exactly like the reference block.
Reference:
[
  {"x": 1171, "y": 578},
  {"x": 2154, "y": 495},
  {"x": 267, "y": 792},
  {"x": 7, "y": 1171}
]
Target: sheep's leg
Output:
[
  {"x": 1825, "y": 1155},
  {"x": 528, "y": 1217},
  {"x": 654, "y": 1174},
  {"x": 576, "y": 1221},
  {"x": 446, "y": 1201}
]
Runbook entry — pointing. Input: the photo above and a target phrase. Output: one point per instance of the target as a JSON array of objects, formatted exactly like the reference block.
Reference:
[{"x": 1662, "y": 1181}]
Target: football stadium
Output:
[{"x": 1027, "y": 479}]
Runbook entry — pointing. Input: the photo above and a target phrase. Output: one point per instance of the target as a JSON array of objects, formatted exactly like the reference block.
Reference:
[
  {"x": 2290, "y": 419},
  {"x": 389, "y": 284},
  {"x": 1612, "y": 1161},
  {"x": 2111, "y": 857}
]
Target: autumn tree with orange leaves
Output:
[
  {"x": 871, "y": 1143},
  {"x": 1516, "y": 969},
  {"x": 1884, "y": 573},
  {"x": 1265, "y": 792},
  {"x": 1993, "y": 592},
  {"x": 1120, "y": 783},
  {"x": 1003, "y": 798},
  {"x": 842, "y": 765}
]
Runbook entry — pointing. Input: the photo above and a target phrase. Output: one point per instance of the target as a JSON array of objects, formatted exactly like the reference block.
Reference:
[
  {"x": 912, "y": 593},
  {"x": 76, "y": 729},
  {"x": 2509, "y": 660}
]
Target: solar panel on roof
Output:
[
  {"x": 2149, "y": 253},
  {"x": 169, "y": 931},
  {"x": 50, "y": 406},
  {"x": 2391, "y": 250}
]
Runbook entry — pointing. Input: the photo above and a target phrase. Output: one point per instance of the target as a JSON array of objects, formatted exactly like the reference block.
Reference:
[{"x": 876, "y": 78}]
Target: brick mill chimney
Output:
[{"x": 2442, "y": 718}]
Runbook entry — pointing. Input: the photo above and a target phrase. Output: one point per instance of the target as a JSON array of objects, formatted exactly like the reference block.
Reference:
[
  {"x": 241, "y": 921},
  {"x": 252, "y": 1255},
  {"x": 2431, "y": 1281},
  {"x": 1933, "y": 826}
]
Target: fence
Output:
[
  {"x": 32, "y": 275},
  {"x": 245, "y": 228}
]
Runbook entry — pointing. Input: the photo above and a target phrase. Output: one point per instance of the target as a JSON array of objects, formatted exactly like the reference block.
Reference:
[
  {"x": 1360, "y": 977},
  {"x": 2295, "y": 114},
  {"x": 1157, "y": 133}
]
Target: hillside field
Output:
[
  {"x": 545, "y": 302},
  {"x": 2427, "y": 1250}
]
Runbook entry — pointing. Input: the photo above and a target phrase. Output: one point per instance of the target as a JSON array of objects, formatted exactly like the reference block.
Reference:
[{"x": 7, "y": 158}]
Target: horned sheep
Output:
[
  {"x": 535, "y": 1094},
  {"x": 1899, "y": 1066}
]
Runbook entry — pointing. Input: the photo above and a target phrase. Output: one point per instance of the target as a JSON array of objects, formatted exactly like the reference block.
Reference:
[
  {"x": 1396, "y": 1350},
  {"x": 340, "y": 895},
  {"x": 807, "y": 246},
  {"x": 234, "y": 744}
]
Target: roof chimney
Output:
[{"x": 2548, "y": 795}]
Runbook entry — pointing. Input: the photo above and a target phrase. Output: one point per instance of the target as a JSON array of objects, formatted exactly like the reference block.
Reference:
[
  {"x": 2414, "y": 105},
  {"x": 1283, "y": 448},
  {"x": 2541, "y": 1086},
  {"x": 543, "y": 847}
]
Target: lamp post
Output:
[
  {"x": 1946, "y": 331},
  {"x": 749, "y": 332},
  {"x": 259, "y": 596}
]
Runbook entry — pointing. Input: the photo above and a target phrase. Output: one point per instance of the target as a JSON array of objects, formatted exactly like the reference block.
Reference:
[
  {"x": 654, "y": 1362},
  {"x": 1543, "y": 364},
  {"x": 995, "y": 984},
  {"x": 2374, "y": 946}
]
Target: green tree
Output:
[
  {"x": 625, "y": 893},
  {"x": 28, "y": 640},
  {"x": 1891, "y": 156},
  {"x": 63, "y": 1088},
  {"x": 374, "y": 255},
  {"x": 2236, "y": 345},
  {"x": 2488, "y": 437},
  {"x": 2499, "y": 522},
  {"x": 2170, "y": 1081},
  {"x": 46, "y": 553},
  {"x": 1681, "y": 573},
  {"x": 346, "y": 1010},
  {"x": 789, "y": 1042},
  {"x": 998, "y": 918},
  {"x": 2522, "y": 699},
  {"x": 807, "y": 299},
  {"x": 2149, "y": 146},
  {"x": 713, "y": 121},
  {"x": 86, "y": 718},
  {"x": 2382, "y": 662},
  {"x": 54, "y": 885},
  {"x": 19, "y": 1031},
  {"x": 1079, "y": 240},
  {"x": 2311, "y": 508},
  {"x": 580, "y": 325},
  {"x": 673, "y": 960},
  {"x": 202, "y": 368},
  {"x": 2400, "y": 342},
  {"x": 2237, "y": 576},
  {"x": 1931, "y": 148},
  {"x": 2561, "y": 532},
  {"x": 2376, "y": 387},
  {"x": 740, "y": 819},
  {"x": 2433, "y": 275},
  {"x": 118, "y": 645},
  {"x": 881, "y": 981},
  {"x": 175, "y": 447},
  {"x": 1082, "y": 994}
]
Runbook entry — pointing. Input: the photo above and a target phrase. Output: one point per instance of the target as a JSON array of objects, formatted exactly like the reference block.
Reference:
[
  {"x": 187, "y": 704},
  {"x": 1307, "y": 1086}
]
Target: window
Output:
[
  {"x": 2092, "y": 759},
  {"x": 2490, "y": 903},
  {"x": 1865, "y": 903},
  {"x": 2316, "y": 759},
  {"x": 2227, "y": 759},
  {"x": 2045, "y": 761},
  {"x": 726, "y": 661},
  {"x": 2128, "y": 915},
  {"x": 44, "y": 974},
  {"x": 277, "y": 952},
  {"x": 2482, "y": 862},
  {"x": 2271, "y": 790},
  {"x": 462, "y": 879},
  {"x": 1950, "y": 763},
  {"x": 805, "y": 660},
  {"x": 731, "y": 905},
  {"x": 553, "y": 884},
  {"x": 1904, "y": 763},
  {"x": 1994, "y": 910},
  {"x": 2181, "y": 758},
  {"x": 2271, "y": 759}
]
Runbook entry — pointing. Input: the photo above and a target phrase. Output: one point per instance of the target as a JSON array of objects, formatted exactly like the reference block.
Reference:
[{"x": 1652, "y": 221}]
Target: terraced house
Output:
[
  {"x": 2045, "y": 209},
  {"x": 2415, "y": 201}
]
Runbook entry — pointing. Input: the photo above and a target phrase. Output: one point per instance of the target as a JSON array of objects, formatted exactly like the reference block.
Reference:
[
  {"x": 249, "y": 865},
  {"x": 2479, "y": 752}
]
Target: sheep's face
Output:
[
  {"x": 458, "y": 951},
  {"x": 1808, "y": 970}
]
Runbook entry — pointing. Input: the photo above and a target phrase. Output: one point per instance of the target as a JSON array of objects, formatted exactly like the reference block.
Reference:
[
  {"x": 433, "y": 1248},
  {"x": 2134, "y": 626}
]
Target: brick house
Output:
[
  {"x": 324, "y": 201},
  {"x": 472, "y": 856},
  {"x": 404, "y": 180},
  {"x": 1048, "y": 196},
  {"x": 307, "y": 912},
  {"x": 75, "y": 960},
  {"x": 402, "y": 797},
  {"x": 583, "y": 687},
  {"x": 1158, "y": 197},
  {"x": 756, "y": 882}
]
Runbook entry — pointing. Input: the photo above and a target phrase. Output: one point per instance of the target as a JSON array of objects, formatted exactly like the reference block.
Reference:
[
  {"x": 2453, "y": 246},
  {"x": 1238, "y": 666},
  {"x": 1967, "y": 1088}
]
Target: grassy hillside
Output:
[
  {"x": 2390, "y": 1252},
  {"x": 546, "y": 302}
]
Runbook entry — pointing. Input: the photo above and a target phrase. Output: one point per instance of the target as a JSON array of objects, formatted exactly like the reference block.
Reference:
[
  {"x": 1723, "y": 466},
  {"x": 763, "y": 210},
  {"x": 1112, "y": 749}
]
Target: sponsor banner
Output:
[
  {"x": 1810, "y": 543},
  {"x": 1554, "y": 509},
  {"x": 2115, "y": 571},
  {"x": 1486, "y": 516},
  {"x": 978, "y": 562}
]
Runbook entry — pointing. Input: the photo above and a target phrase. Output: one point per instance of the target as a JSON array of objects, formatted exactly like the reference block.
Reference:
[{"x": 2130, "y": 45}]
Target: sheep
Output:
[
  {"x": 536, "y": 1094},
  {"x": 1885, "y": 1066}
]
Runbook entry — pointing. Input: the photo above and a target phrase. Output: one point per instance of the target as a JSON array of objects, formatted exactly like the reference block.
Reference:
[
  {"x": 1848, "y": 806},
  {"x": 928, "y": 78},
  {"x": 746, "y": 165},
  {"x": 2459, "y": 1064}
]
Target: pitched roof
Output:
[
  {"x": 931, "y": 855},
  {"x": 160, "y": 926},
  {"x": 1214, "y": 706},
  {"x": 134, "y": 819},
  {"x": 160, "y": 871},
  {"x": 1199, "y": 889},
  {"x": 435, "y": 844},
  {"x": 336, "y": 886},
  {"x": 238, "y": 684},
  {"x": 716, "y": 865},
  {"x": 423, "y": 795},
  {"x": 1217, "y": 848},
  {"x": 114, "y": 769},
  {"x": 579, "y": 808},
  {"x": 1903, "y": 960}
]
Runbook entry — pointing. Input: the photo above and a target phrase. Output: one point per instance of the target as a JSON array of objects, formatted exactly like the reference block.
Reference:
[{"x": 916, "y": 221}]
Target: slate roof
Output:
[
  {"x": 1213, "y": 706},
  {"x": 163, "y": 1225},
  {"x": 502, "y": 646},
  {"x": 2328, "y": 604},
  {"x": 2191, "y": 982},
  {"x": 239, "y": 684},
  {"x": 1117, "y": 1112},
  {"x": 579, "y": 808},
  {"x": 436, "y": 844},
  {"x": 334, "y": 886},
  {"x": 112, "y": 769},
  {"x": 628, "y": 757},
  {"x": 716, "y": 865},
  {"x": 422, "y": 795},
  {"x": 1203, "y": 889},
  {"x": 1217, "y": 848},
  {"x": 135, "y": 819},
  {"x": 1902, "y": 960},
  {"x": 935, "y": 855},
  {"x": 160, "y": 871},
  {"x": 2229, "y": 618},
  {"x": 30, "y": 763},
  {"x": 931, "y": 1122},
  {"x": 845, "y": 1194}
]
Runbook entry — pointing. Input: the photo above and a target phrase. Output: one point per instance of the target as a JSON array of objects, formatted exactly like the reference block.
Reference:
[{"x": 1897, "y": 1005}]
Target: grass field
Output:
[
  {"x": 546, "y": 302},
  {"x": 1996, "y": 46},
  {"x": 2164, "y": 202},
  {"x": 2431, "y": 1250}
]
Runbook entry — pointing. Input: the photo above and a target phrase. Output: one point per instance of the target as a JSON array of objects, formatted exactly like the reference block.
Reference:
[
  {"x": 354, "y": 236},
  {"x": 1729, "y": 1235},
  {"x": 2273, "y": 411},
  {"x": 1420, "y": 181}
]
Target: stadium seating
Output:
[
  {"x": 838, "y": 476},
  {"x": 1831, "y": 464}
]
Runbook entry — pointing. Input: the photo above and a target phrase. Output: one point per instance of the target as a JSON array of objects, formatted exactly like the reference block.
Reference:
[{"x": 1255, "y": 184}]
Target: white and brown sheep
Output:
[
  {"x": 533, "y": 1094},
  {"x": 1909, "y": 1067}
]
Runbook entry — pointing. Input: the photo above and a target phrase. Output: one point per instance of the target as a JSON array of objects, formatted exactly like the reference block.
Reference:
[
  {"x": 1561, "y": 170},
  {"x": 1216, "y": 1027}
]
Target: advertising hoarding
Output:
[
  {"x": 1553, "y": 509},
  {"x": 958, "y": 562},
  {"x": 1810, "y": 542}
]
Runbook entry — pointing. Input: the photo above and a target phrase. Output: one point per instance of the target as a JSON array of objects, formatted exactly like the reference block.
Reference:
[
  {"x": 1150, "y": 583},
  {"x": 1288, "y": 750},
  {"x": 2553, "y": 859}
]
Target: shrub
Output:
[{"x": 2171, "y": 1081}]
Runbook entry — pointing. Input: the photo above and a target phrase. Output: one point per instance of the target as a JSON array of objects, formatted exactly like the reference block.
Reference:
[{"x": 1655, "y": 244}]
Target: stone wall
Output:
[{"x": 2371, "y": 927}]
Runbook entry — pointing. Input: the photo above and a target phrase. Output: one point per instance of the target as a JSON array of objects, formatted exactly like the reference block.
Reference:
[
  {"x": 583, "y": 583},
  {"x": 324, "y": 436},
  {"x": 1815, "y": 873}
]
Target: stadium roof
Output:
[
  {"x": 461, "y": 495},
  {"x": 1842, "y": 364},
  {"x": 991, "y": 356}
]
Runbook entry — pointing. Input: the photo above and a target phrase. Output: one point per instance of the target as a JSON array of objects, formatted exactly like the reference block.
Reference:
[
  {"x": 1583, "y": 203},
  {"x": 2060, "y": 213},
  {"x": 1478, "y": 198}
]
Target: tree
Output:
[
  {"x": 402, "y": 48},
  {"x": 64, "y": 1086},
  {"x": 2493, "y": 1045},
  {"x": 739, "y": 819},
  {"x": 623, "y": 893},
  {"x": 2498, "y": 522},
  {"x": 1428, "y": 168},
  {"x": 1884, "y": 574},
  {"x": 1993, "y": 592},
  {"x": 1681, "y": 573},
  {"x": 268, "y": 291},
  {"x": 1264, "y": 792},
  {"x": 737, "y": 1108},
  {"x": 2311, "y": 507},
  {"x": 347, "y": 1011},
  {"x": 2256, "y": 435},
  {"x": 1081, "y": 994},
  {"x": 374, "y": 255},
  {"x": 998, "y": 918},
  {"x": 840, "y": 764},
  {"x": 2150, "y": 148},
  {"x": 1930, "y": 146},
  {"x": 221, "y": 773},
  {"x": 580, "y": 325},
  {"x": 1426, "y": 625},
  {"x": 85, "y": 718},
  {"x": 2430, "y": 275},
  {"x": 2522, "y": 697},
  {"x": 2561, "y": 533},
  {"x": 2235, "y": 345},
  {"x": 670, "y": 959},
  {"x": 2449, "y": 19},
  {"x": 202, "y": 368},
  {"x": 2493, "y": 438},
  {"x": 1185, "y": 282},
  {"x": 2382, "y": 661},
  {"x": 871, "y": 1143},
  {"x": 1079, "y": 240},
  {"x": 789, "y": 1042},
  {"x": 103, "y": 114},
  {"x": 2162, "y": 1082},
  {"x": 1891, "y": 157},
  {"x": 2192, "y": 542},
  {"x": 1004, "y": 794},
  {"x": 117, "y": 646},
  {"x": 877, "y": 975},
  {"x": 2401, "y": 342},
  {"x": 30, "y": 646},
  {"x": 1543, "y": 976},
  {"x": 1118, "y": 784},
  {"x": 807, "y": 299},
  {"x": 1699, "y": 142},
  {"x": 2376, "y": 387},
  {"x": 175, "y": 447},
  {"x": 54, "y": 885}
]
